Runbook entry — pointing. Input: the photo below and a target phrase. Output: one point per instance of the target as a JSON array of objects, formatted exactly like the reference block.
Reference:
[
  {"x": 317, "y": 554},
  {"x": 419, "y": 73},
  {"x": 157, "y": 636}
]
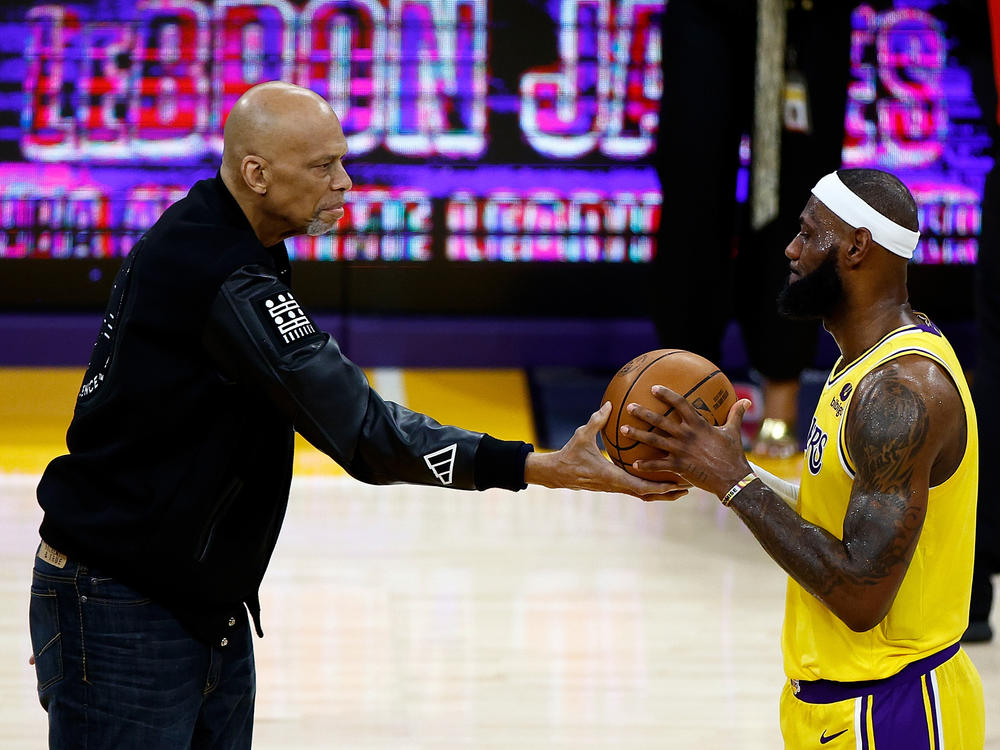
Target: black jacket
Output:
[{"x": 180, "y": 448}]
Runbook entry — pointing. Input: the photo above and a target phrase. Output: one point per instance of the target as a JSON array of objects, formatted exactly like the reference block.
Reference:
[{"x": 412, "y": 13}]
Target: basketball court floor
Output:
[{"x": 407, "y": 617}]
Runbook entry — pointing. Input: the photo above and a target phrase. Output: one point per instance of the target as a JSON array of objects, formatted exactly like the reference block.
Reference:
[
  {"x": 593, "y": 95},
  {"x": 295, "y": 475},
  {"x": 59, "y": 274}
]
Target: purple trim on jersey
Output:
[
  {"x": 899, "y": 719},
  {"x": 829, "y": 691}
]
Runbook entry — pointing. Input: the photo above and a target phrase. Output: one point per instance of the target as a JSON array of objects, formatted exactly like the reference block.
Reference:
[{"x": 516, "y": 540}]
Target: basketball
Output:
[{"x": 695, "y": 378}]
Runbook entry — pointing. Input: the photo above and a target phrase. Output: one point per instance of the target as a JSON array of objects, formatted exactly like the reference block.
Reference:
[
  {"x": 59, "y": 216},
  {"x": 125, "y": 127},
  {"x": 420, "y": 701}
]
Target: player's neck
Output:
[{"x": 857, "y": 328}]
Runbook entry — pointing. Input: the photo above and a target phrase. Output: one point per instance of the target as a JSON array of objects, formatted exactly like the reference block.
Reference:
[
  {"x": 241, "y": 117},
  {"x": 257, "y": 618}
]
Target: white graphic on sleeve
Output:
[
  {"x": 442, "y": 462},
  {"x": 288, "y": 318},
  {"x": 91, "y": 385}
]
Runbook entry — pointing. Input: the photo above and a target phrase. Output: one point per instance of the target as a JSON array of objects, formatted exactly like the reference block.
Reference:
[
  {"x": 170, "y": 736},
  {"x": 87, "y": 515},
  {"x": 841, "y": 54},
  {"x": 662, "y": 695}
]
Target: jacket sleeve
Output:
[{"x": 257, "y": 334}]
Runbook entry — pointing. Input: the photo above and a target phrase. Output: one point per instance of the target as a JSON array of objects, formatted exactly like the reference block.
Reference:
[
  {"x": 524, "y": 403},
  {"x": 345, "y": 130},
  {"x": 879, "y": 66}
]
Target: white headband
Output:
[{"x": 851, "y": 208}]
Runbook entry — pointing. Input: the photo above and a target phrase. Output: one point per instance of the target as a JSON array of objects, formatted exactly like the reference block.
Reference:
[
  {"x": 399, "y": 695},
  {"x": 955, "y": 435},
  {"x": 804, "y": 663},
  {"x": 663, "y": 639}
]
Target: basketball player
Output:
[
  {"x": 160, "y": 521},
  {"x": 725, "y": 68},
  {"x": 878, "y": 538}
]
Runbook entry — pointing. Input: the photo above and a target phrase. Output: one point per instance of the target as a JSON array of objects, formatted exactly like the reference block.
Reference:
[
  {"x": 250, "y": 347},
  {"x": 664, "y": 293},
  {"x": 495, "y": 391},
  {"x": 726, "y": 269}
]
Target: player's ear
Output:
[
  {"x": 861, "y": 244},
  {"x": 255, "y": 172}
]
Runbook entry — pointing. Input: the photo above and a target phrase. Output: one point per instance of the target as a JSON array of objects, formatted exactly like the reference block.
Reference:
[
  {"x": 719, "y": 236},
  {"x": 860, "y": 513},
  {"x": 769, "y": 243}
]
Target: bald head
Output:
[
  {"x": 282, "y": 161},
  {"x": 270, "y": 118}
]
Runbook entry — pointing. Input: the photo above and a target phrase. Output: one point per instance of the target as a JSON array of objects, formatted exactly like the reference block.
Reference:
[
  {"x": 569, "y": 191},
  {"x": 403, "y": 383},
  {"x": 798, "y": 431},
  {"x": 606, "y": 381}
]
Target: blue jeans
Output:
[{"x": 117, "y": 670}]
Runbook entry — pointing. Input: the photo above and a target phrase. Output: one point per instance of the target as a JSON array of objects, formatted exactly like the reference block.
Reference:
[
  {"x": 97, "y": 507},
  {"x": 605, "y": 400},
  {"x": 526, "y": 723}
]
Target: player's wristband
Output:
[{"x": 736, "y": 488}]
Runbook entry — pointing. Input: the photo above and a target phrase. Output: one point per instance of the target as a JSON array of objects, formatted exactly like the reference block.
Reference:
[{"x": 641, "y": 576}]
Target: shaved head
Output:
[
  {"x": 268, "y": 118},
  {"x": 282, "y": 160}
]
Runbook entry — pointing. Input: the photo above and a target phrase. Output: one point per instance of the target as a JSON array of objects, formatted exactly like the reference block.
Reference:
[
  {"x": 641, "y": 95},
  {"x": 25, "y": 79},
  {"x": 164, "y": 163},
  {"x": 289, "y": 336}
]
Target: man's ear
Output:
[
  {"x": 255, "y": 172},
  {"x": 861, "y": 244}
]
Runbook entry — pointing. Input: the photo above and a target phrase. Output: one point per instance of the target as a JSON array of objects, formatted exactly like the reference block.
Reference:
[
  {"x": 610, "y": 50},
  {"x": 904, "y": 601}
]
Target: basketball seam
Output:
[
  {"x": 621, "y": 408},
  {"x": 619, "y": 447},
  {"x": 701, "y": 383},
  {"x": 687, "y": 393},
  {"x": 616, "y": 445}
]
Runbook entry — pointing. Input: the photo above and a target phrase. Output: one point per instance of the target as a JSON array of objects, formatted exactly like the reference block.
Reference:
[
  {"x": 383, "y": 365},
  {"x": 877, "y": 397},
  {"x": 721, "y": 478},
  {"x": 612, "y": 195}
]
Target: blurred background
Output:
[
  {"x": 497, "y": 263},
  {"x": 506, "y": 206}
]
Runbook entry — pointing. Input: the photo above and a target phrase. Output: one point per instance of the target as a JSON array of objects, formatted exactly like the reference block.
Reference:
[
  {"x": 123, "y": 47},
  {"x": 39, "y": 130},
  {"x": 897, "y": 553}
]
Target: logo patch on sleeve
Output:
[
  {"x": 285, "y": 319},
  {"x": 442, "y": 463}
]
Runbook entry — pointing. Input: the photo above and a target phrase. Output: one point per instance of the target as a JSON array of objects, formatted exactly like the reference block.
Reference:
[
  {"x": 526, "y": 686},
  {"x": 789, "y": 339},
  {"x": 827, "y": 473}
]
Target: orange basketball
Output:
[{"x": 703, "y": 384}]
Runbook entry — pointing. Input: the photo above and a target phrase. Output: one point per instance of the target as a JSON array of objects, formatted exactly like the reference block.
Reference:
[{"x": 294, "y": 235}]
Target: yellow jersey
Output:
[{"x": 931, "y": 608}]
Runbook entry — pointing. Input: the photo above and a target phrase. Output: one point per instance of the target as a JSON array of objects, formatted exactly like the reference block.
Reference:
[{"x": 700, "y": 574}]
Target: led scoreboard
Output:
[{"x": 482, "y": 135}]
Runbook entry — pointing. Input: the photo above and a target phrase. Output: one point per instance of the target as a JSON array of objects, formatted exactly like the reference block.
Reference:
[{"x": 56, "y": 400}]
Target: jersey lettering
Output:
[{"x": 815, "y": 444}]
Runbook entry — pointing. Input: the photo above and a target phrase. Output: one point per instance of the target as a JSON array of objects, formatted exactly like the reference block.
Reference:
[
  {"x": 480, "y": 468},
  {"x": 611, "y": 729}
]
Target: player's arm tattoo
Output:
[
  {"x": 887, "y": 507},
  {"x": 857, "y": 577}
]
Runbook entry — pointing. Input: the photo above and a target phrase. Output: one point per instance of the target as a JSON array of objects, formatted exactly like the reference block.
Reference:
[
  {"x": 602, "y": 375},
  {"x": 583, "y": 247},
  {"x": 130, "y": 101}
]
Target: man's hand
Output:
[
  {"x": 708, "y": 457},
  {"x": 579, "y": 465}
]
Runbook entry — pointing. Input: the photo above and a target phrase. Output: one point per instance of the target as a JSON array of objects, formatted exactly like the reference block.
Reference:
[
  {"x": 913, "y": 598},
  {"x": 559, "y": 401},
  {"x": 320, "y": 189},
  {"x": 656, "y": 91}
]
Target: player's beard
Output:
[
  {"x": 317, "y": 227},
  {"x": 815, "y": 295}
]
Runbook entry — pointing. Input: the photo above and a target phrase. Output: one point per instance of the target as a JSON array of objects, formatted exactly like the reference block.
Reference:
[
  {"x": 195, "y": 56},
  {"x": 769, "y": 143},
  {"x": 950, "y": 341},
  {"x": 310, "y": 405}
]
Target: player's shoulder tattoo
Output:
[{"x": 888, "y": 428}]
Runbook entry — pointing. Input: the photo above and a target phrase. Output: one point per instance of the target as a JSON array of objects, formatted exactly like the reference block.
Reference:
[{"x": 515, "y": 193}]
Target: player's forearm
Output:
[
  {"x": 815, "y": 558},
  {"x": 787, "y": 491}
]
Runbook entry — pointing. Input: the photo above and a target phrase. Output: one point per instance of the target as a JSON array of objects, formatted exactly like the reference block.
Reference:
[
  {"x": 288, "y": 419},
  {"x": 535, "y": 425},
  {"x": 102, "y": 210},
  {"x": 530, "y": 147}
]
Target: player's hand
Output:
[
  {"x": 579, "y": 465},
  {"x": 709, "y": 457}
]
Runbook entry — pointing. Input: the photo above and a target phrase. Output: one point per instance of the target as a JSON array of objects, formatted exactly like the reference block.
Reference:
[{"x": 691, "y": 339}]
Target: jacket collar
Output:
[{"x": 233, "y": 215}]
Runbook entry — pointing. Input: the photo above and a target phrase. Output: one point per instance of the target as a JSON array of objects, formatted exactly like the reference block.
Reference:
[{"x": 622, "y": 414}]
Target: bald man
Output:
[
  {"x": 160, "y": 521},
  {"x": 281, "y": 160},
  {"x": 878, "y": 537}
]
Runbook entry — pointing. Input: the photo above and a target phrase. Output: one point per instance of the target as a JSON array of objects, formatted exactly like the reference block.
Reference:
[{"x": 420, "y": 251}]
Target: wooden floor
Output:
[
  {"x": 412, "y": 618},
  {"x": 406, "y": 618}
]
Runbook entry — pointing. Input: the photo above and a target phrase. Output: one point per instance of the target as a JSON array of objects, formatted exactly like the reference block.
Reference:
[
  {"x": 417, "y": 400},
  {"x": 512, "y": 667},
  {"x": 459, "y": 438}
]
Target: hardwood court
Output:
[{"x": 402, "y": 617}]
